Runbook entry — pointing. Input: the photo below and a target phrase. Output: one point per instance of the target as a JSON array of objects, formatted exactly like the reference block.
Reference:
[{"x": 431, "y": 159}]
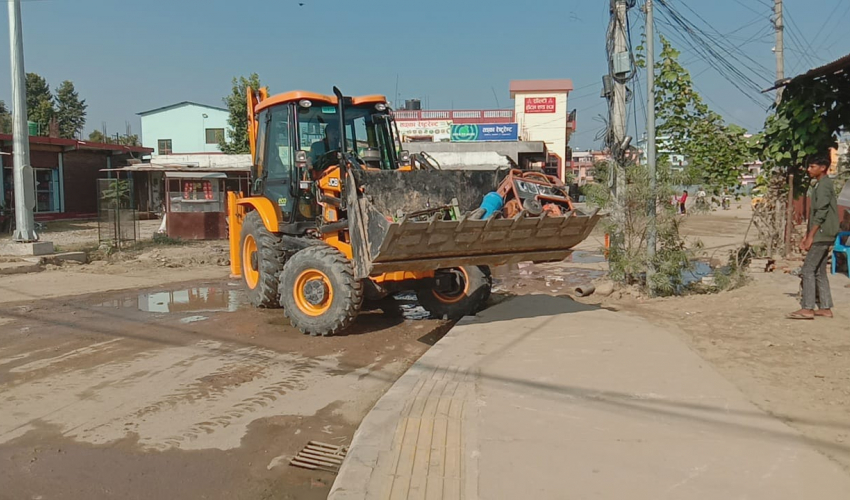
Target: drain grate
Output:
[{"x": 320, "y": 456}]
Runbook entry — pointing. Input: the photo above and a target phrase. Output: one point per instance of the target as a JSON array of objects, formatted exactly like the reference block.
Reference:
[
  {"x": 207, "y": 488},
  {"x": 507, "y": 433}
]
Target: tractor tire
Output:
[
  {"x": 263, "y": 258},
  {"x": 469, "y": 298},
  {"x": 318, "y": 291}
]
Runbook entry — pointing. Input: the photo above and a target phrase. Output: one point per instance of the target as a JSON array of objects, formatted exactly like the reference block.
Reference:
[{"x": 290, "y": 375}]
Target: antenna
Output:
[{"x": 396, "y": 90}]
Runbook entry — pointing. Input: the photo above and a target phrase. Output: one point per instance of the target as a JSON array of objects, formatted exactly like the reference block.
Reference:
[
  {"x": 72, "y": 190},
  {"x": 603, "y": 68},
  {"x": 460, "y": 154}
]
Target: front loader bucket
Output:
[{"x": 387, "y": 242}]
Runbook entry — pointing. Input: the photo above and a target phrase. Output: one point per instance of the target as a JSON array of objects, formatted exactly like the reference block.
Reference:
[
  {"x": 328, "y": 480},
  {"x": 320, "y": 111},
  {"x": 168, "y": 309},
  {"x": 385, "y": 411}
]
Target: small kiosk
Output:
[
  {"x": 191, "y": 199},
  {"x": 195, "y": 205}
]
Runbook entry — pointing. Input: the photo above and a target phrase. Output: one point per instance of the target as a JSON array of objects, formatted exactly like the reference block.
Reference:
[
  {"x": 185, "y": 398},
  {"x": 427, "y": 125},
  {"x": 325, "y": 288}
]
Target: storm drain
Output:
[{"x": 320, "y": 456}]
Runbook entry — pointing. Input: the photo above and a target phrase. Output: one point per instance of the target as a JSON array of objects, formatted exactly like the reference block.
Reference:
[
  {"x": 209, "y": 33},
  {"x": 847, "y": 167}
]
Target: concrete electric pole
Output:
[
  {"x": 620, "y": 68},
  {"x": 22, "y": 173},
  {"x": 780, "y": 46},
  {"x": 651, "y": 232}
]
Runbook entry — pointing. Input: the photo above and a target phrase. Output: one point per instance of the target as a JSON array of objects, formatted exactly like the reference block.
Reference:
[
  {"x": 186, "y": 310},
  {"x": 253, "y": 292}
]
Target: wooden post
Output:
[{"x": 789, "y": 215}]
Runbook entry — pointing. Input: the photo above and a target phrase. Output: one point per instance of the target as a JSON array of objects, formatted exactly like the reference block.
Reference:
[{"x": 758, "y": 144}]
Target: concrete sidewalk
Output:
[{"x": 542, "y": 397}]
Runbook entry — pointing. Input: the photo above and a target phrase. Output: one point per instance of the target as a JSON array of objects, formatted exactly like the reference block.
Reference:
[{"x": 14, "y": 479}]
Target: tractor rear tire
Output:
[
  {"x": 470, "y": 297},
  {"x": 318, "y": 291},
  {"x": 263, "y": 258}
]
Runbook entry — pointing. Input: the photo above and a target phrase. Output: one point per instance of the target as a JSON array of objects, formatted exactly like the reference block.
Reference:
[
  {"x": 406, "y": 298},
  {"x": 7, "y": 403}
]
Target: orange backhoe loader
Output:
[{"x": 339, "y": 214}]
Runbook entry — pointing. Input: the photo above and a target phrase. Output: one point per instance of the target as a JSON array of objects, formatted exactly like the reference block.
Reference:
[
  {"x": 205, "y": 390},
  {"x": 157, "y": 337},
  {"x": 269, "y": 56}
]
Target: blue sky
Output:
[{"x": 127, "y": 56}]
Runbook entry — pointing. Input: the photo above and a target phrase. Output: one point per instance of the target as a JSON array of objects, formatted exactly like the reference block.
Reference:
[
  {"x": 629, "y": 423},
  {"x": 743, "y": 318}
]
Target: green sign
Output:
[
  {"x": 464, "y": 133},
  {"x": 328, "y": 110},
  {"x": 485, "y": 132}
]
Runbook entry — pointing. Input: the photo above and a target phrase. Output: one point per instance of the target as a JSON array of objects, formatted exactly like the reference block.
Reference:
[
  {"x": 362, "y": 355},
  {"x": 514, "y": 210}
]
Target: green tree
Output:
[
  {"x": 70, "y": 111},
  {"x": 237, "y": 104},
  {"x": 39, "y": 102},
  {"x": 129, "y": 140},
  {"x": 5, "y": 119},
  {"x": 806, "y": 121},
  {"x": 716, "y": 152},
  {"x": 97, "y": 136}
]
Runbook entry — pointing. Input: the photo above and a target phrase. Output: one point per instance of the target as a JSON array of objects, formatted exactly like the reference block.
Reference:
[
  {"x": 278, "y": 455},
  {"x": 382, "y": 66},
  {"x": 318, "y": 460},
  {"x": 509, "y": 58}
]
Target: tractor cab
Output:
[{"x": 301, "y": 137}]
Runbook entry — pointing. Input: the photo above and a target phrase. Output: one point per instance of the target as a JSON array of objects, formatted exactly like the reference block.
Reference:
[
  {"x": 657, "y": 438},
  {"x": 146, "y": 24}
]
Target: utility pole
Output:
[
  {"x": 619, "y": 68},
  {"x": 780, "y": 46},
  {"x": 22, "y": 173},
  {"x": 651, "y": 232},
  {"x": 779, "y": 26}
]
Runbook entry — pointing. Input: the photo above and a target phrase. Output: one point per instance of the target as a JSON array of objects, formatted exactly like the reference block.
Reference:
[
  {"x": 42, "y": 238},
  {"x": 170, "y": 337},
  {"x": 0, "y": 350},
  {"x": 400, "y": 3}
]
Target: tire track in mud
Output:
[{"x": 204, "y": 395}]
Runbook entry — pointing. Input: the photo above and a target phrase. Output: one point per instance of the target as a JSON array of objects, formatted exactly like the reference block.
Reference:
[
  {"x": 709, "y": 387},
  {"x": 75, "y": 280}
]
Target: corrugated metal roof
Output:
[
  {"x": 177, "y": 105},
  {"x": 838, "y": 66},
  {"x": 177, "y": 167},
  {"x": 75, "y": 144}
]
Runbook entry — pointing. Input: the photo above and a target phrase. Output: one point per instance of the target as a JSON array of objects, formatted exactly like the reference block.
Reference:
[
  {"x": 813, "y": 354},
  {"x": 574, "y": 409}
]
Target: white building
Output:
[
  {"x": 540, "y": 109},
  {"x": 184, "y": 128},
  {"x": 663, "y": 147}
]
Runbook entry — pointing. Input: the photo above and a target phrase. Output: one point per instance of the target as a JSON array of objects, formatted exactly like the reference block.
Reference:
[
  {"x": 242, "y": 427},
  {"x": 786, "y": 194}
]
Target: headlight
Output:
[
  {"x": 304, "y": 103},
  {"x": 381, "y": 106},
  {"x": 526, "y": 187}
]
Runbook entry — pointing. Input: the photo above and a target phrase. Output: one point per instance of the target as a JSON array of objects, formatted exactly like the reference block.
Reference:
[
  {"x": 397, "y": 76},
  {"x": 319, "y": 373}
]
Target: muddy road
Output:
[{"x": 183, "y": 392}]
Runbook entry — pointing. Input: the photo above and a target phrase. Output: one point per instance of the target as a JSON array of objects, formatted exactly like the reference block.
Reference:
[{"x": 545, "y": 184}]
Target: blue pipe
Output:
[{"x": 492, "y": 204}]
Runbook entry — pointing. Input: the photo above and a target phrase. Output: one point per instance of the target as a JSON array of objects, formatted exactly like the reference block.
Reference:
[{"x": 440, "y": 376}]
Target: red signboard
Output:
[{"x": 539, "y": 104}]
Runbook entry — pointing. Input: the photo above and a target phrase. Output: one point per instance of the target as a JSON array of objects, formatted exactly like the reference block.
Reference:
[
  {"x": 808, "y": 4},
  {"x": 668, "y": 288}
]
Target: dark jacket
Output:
[{"x": 824, "y": 211}]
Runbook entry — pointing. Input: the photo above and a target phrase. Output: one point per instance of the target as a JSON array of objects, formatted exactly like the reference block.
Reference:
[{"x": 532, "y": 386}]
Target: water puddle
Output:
[
  {"x": 581, "y": 257},
  {"x": 190, "y": 300}
]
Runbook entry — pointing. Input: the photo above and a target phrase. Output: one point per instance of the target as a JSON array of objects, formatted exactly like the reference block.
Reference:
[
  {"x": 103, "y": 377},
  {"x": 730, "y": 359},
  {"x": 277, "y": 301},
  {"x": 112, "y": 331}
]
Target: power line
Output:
[
  {"x": 827, "y": 20},
  {"x": 796, "y": 36},
  {"x": 736, "y": 49},
  {"x": 722, "y": 68},
  {"x": 711, "y": 49},
  {"x": 742, "y": 4},
  {"x": 838, "y": 24}
]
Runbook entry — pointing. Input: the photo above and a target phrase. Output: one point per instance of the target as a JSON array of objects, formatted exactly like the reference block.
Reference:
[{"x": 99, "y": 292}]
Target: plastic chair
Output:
[{"x": 841, "y": 248}]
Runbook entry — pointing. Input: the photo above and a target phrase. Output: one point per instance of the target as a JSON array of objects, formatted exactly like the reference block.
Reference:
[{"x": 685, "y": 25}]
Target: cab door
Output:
[{"x": 275, "y": 158}]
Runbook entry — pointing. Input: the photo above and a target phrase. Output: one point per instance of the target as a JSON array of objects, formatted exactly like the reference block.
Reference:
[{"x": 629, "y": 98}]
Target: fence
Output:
[{"x": 117, "y": 221}]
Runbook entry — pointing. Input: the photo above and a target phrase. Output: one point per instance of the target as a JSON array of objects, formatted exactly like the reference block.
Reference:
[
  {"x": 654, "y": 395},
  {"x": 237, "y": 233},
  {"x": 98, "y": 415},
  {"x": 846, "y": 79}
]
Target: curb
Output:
[{"x": 364, "y": 472}]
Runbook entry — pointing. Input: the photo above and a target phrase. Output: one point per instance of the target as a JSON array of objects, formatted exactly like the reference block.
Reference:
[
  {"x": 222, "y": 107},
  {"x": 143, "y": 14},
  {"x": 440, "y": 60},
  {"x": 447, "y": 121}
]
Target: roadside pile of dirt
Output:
[{"x": 153, "y": 256}]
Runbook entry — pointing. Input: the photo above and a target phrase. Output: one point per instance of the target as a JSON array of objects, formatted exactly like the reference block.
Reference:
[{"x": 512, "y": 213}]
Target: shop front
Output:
[{"x": 65, "y": 173}]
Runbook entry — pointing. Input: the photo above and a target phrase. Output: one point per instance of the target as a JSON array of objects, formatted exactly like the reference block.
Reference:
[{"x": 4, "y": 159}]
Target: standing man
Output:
[{"x": 823, "y": 226}]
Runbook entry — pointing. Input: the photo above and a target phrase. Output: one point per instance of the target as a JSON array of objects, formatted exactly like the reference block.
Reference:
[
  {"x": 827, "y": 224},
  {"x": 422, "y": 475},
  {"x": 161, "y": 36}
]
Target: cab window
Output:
[
  {"x": 278, "y": 154},
  {"x": 278, "y": 161}
]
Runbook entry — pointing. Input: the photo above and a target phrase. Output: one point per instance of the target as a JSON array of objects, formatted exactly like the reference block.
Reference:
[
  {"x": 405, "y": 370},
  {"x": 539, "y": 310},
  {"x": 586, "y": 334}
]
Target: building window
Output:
[
  {"x": 163, "y": 146},
  {"x": 215, "y": 135}
]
